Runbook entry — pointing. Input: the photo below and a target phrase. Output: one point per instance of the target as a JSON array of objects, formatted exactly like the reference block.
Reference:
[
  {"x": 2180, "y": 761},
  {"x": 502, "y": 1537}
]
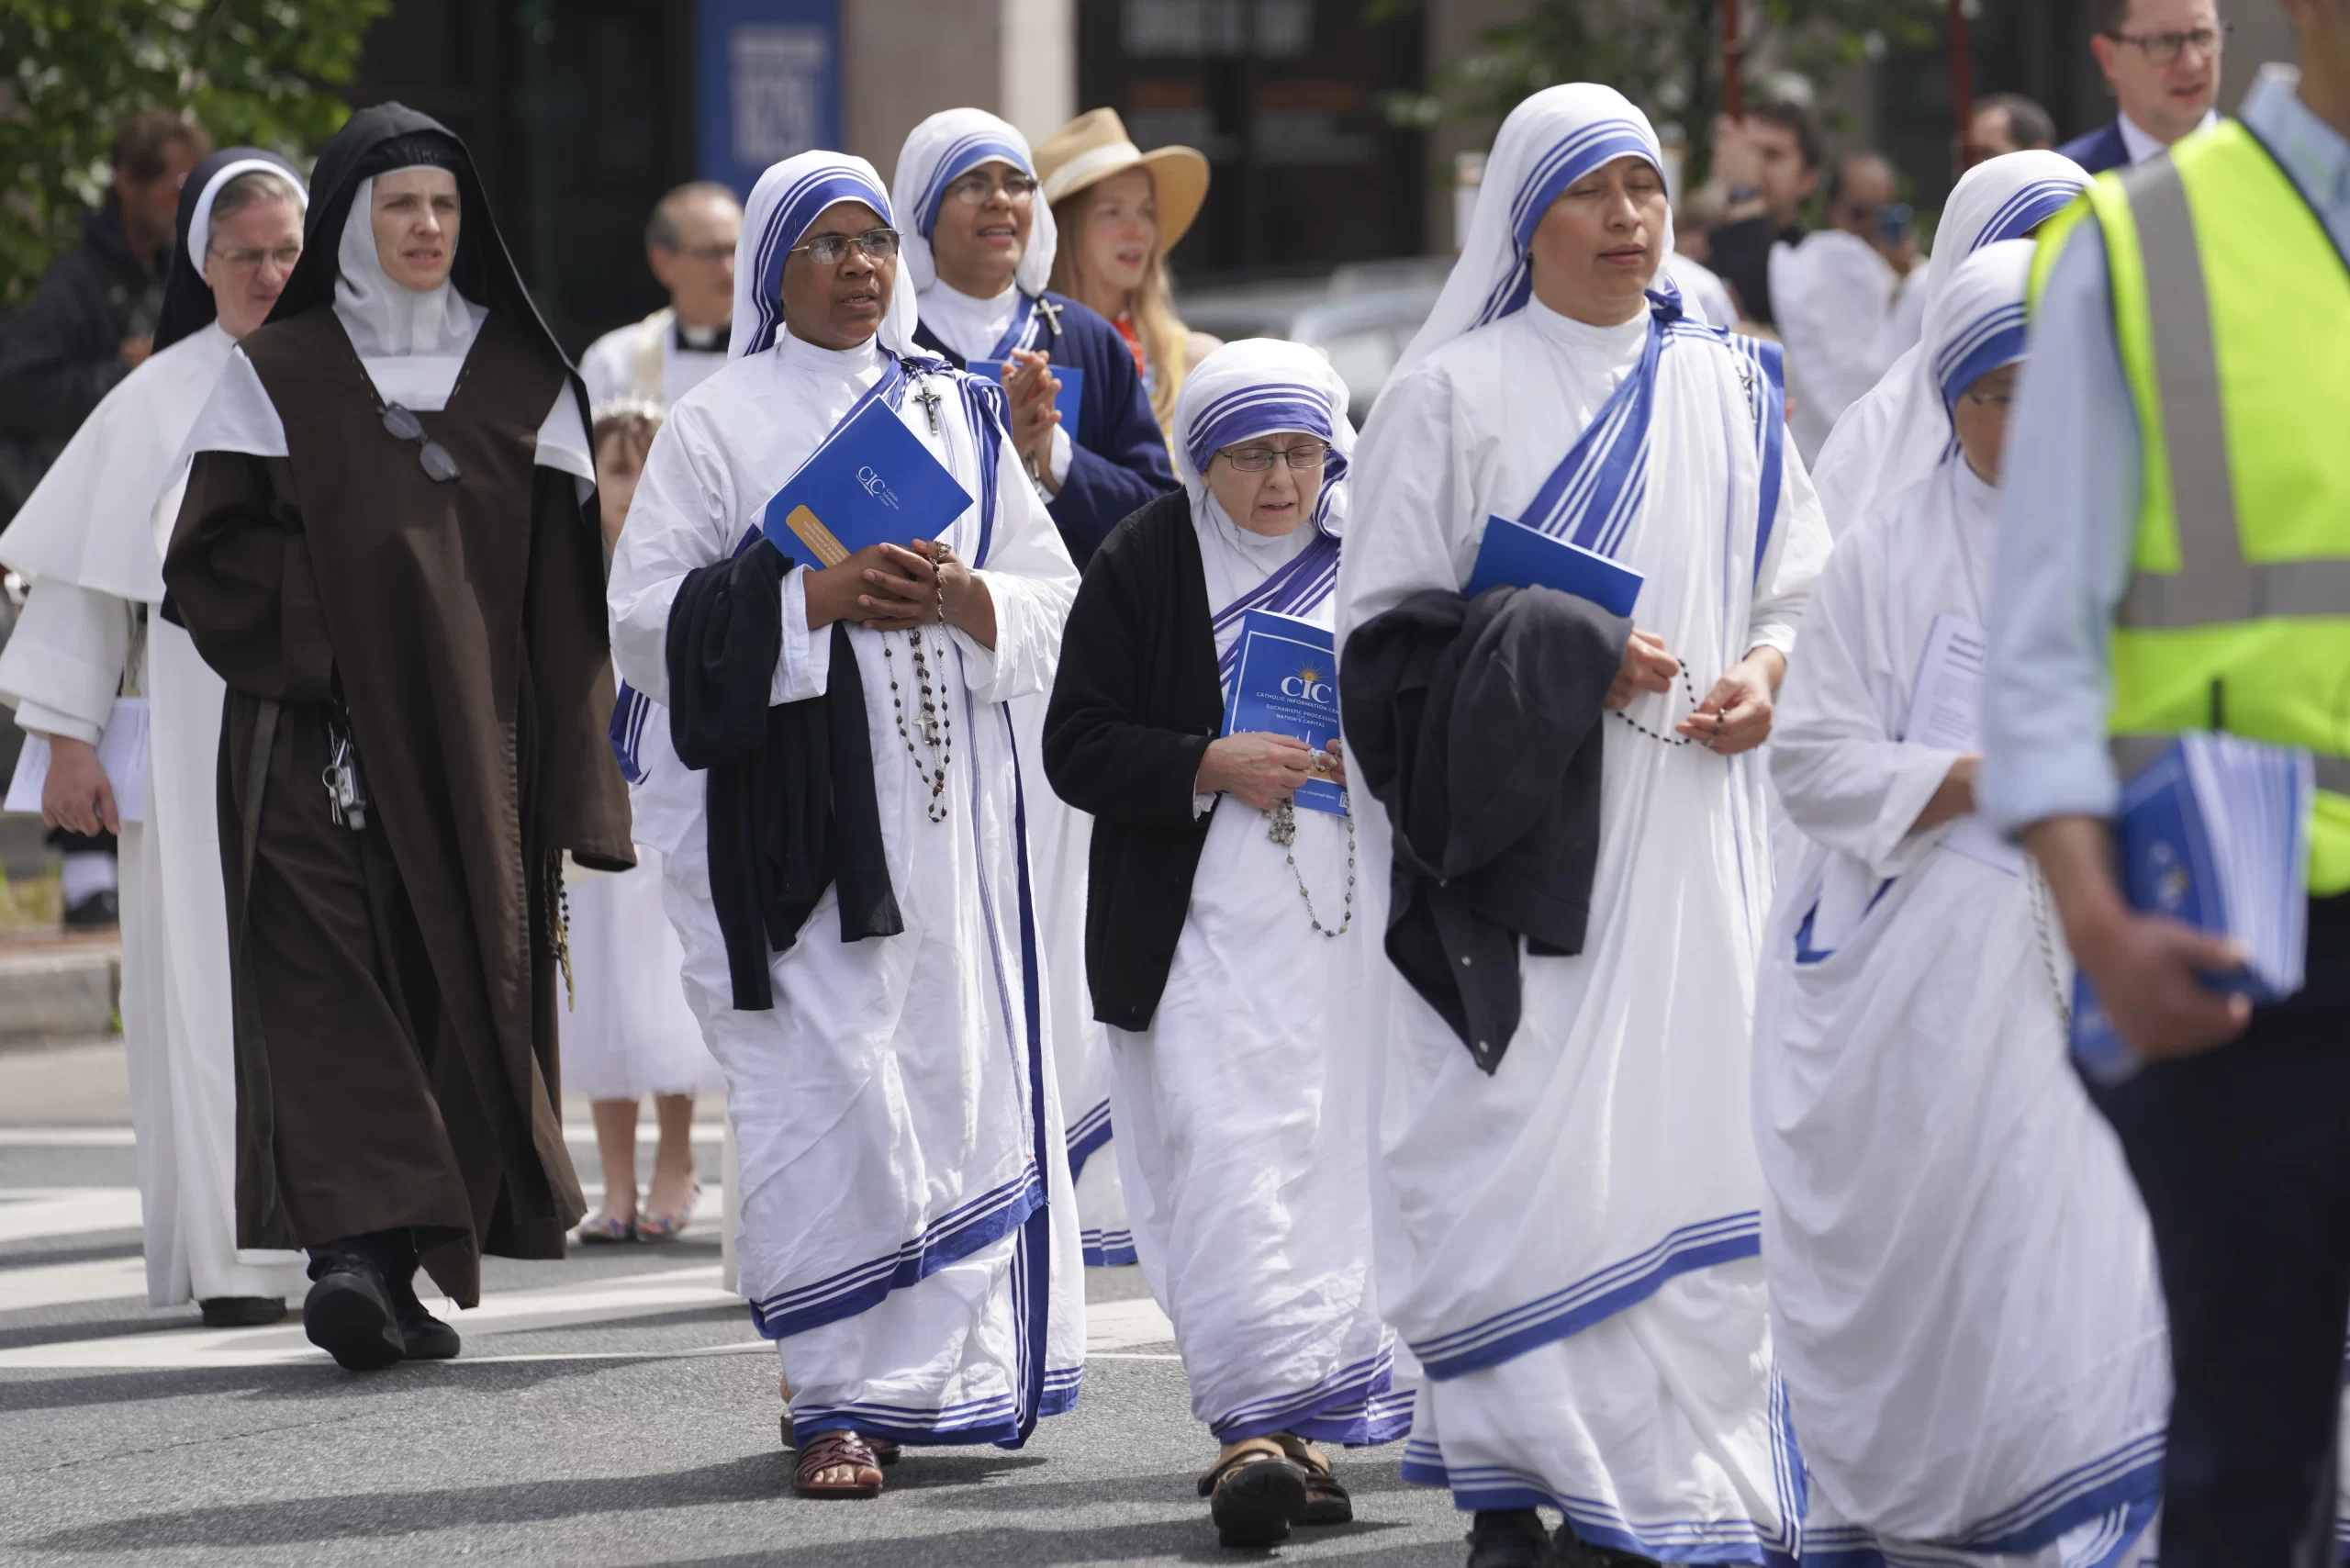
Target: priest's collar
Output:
[
  {"x": 702, "y": 339},
  {"x": 799, "y": 353},
  {"x": 1582, "y": 336}
]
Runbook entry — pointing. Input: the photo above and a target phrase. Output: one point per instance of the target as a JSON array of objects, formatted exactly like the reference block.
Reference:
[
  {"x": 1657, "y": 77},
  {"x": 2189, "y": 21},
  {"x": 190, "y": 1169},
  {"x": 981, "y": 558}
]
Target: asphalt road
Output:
[{"x": 615, "y": 1408}]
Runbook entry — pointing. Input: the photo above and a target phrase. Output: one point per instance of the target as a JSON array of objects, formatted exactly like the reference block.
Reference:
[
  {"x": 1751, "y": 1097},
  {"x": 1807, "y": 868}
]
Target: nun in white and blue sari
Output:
[
  {"x": 1243, "y": 1171},
  {"x": 907, "y": 1234},
  {"x": 1963, "y": 1285},
  {"x": 1569, "y": 1245}
]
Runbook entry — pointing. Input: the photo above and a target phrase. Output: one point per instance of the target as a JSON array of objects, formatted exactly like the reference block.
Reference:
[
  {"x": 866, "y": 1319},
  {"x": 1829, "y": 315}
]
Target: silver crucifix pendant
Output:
[{"x": 929, "y": 401}]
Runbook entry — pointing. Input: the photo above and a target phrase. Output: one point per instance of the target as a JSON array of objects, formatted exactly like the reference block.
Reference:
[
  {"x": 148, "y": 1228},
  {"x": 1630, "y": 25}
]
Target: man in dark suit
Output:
[
  {"x": 2161, "y": 58},
  {"x": 979, "y": 246}
]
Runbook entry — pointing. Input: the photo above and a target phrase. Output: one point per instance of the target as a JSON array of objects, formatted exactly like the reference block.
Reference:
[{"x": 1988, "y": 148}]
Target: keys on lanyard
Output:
[{"x": 346, "y": 785}]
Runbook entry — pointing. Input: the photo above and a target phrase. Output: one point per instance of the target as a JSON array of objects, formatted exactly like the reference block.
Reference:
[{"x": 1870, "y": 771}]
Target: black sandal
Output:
[
  {"x": 1327, "y": 1501},
  {"x": 1254, "y": 1495}
]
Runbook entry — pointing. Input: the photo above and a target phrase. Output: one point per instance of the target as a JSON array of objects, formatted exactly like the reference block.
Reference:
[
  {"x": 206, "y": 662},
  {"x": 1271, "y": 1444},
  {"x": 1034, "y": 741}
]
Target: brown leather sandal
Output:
[
  {"x": 1327, "y": 1501},
  {"x": 835, "y": 1449},
  {"x": 1254, "y": 1495},
  {"x": 885, "y": 1451}
]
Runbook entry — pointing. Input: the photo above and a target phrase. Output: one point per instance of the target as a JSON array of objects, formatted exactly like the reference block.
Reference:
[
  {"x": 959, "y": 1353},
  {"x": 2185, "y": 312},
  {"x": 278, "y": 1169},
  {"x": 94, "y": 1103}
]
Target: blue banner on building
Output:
[{"x": 767, "y": 84}]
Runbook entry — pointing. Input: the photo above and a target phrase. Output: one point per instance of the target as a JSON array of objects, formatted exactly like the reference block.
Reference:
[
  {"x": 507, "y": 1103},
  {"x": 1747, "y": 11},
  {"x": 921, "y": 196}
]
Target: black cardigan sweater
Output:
[{"x": 1135, "y": 706}]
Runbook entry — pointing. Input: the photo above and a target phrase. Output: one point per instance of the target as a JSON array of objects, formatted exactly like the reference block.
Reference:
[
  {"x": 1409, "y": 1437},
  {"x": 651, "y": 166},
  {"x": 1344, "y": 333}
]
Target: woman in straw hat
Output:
[{"x": 1123, "y": 210}]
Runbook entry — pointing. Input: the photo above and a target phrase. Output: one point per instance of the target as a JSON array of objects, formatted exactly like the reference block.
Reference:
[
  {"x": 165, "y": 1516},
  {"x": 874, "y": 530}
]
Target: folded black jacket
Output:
[
  {"x": 1476, "y": 724},
  {"x": 790, "y": 792}
]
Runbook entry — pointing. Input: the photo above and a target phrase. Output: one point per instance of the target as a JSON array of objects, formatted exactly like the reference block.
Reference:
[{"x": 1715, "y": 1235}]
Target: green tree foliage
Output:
[
  {"x": 1664, "y": 55},
  {"x": 257, "y": 71}
]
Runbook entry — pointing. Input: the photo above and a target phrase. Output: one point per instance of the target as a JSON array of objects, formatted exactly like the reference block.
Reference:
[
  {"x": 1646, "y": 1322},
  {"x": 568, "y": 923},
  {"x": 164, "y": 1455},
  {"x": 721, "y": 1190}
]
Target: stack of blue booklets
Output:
[
  {"x": 1069, "y": 399},
  {"x": 870, "y": 482},
  {"x": 1286, "y": 683},
  {"x": 1520, "y": 556},
  {"x": 2214, "y": 834}
]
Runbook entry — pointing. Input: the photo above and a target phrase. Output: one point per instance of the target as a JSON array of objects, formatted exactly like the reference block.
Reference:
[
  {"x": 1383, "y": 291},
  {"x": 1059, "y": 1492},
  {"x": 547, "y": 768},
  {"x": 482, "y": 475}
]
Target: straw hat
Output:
[{"x": 1095, "y": 146}]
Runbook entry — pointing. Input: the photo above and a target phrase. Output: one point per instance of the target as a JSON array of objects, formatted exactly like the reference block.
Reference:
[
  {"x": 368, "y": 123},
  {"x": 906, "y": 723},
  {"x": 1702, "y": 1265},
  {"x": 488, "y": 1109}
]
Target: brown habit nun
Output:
[{"x": 396, "y": 983}]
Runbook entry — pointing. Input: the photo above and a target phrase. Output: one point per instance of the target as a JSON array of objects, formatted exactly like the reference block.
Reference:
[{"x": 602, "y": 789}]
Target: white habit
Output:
[
  {"x": 907, "y": 1230},
  {"x": 1963, "y": 1282},
  {"x": 655, "y": 361},
  {"x": 1245, "y": 1171},
  {"x": 89, "y": 536},
  {"x": 1891, "y": 438},
  {"x": 1568, "y": 1245},
  {"x": 937, "y": 152}
]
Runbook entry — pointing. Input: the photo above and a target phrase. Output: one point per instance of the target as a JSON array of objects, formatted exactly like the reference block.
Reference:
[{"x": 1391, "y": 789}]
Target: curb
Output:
[{"x": 53, "y": 994}]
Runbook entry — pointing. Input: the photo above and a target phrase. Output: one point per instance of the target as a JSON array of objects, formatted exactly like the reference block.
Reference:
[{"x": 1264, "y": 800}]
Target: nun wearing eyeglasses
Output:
[
  {"x": 1564, "y": 1189},
  {"x": 978, "y": 249},
  {"x": 1962, "y": 1283},
  {"x": 847, "y": 862},
  {"x": 1219, "y": 913},
  {"x": 389, "y": 550},
  {"x": 88, "y": 640},
  {"x": 976, "y": 260}
]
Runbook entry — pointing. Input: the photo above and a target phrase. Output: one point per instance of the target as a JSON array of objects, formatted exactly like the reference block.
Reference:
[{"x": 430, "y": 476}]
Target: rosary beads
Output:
[{"x": 937, "y": 728}]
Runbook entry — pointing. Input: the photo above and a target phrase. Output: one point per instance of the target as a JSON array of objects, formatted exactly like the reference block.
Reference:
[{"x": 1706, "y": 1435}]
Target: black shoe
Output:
[
  {"x": 348, "y": 1312},
  {"x": 97, "y": 913},
  {"x": 241, "y": 1311},
  {"x": 428, "y": 1338},
  {"x": 1508, "y": 1537},
  {"x": 1254, "y": 1498}
]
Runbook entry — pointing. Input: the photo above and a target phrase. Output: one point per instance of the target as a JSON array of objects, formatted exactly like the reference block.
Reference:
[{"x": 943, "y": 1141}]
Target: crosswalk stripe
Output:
[
  {"x": 29, "y": 1214},
  {"x": 65, "y": 1284},
  {"x": 648, "y": 1135}
]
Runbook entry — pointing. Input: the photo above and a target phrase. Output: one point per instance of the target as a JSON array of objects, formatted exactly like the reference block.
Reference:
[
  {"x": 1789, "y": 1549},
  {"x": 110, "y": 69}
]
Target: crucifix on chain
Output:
[
  {"x": 929, "y": 401},
  {"x": 1050, "y": 312}
]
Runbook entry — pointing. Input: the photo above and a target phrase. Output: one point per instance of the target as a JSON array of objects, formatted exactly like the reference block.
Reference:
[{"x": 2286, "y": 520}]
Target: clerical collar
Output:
[
  {"x": 970, "y": 327},
  {"x": 1583, "y": 337},
  {"x": 702, "y": 339},
  {"x": 795, "y": 350}
]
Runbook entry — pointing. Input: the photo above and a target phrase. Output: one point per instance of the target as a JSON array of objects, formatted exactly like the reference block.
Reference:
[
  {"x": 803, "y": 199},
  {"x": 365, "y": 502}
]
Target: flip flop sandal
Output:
[
  {"x": 1254, "y": 1495},
  {"x": 663, "y": 1226},
  {"x": 605, "y": 1230},
  {"x": 885, "y": 1452},
  {"x": 1327, "y": 1501},
  {"x": 830, "y": 1450}
]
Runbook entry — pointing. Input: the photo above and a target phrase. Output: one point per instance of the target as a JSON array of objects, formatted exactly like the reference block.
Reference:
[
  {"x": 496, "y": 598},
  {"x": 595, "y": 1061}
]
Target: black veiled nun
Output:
[{"x": 389, "y": 550}]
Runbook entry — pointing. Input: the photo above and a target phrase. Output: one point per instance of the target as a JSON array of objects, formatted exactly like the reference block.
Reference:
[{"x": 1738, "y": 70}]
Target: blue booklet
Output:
[
  {"x": 1073, "y": 380},
  {"x": 1524, "y": 557},
  {"x": 1286, "y": 683},
  {"x": 871, "y": 482},
  {"x": 2215, "y": 834}
]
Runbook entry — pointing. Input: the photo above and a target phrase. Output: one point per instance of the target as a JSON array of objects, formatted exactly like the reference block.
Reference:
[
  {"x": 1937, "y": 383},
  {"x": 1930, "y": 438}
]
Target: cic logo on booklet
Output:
[
  {"x": 878, "y": 487},
  {"x": 1309, "y": 685}
]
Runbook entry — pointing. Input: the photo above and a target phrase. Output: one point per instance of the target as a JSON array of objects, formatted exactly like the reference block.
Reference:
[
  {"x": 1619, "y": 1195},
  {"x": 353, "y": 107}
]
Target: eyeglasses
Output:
[
  {"x": 826, "y": 249},
  {"x": 1259, "y": 459},
  {"x": 248, "y": 258},
  {"x": 1995, "y": 401},
  {"x": 439, "y": 467},
  {"x": 2163, "y": 49},
  {"x": 973, "y": 189}
]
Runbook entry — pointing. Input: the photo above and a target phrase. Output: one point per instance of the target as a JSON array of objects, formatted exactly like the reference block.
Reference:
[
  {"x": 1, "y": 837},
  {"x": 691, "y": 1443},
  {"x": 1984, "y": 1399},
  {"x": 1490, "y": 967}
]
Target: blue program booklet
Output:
[
  {"x": 1073, "y": 380},
  {"x": 1524, "y": 557},
  {"x": 1286, "y": 683},
  {"x": 871, "y": 482},
  {"x": 2215, "y": 834}
]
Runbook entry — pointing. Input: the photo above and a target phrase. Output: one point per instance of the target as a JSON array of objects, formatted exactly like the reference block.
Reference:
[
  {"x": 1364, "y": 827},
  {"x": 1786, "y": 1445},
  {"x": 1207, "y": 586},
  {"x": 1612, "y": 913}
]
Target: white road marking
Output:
[
  {"x": 60, "y": 1284},
  {"x": 1122, "y": 1325},
  {"x": 29, "y": 1213}
]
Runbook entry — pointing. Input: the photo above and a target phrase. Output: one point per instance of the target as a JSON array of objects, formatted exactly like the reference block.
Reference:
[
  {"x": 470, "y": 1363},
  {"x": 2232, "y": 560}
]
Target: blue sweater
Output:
[{"x": 1119, "y": 463}]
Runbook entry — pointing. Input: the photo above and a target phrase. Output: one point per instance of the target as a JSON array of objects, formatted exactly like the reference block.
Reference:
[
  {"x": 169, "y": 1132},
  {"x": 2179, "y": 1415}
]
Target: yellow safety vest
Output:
[{"x": 2231, "y": 310}]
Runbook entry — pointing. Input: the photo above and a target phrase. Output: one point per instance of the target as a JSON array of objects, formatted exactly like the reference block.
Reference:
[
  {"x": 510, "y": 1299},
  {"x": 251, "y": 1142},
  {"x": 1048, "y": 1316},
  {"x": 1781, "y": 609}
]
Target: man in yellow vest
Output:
[{"x": 2177, "y": 556}]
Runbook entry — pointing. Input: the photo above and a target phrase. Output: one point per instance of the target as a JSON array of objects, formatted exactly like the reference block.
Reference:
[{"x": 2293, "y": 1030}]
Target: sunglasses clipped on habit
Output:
[{"x": 439, "y": 467}]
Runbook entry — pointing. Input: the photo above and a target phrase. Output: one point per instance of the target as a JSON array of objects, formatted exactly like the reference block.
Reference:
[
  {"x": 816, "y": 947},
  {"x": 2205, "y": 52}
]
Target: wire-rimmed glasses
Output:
[
  {"x": 826, "y": 249},
  {"x": 1304, "y": 459},
  {"x": 439, "y": 467}
]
